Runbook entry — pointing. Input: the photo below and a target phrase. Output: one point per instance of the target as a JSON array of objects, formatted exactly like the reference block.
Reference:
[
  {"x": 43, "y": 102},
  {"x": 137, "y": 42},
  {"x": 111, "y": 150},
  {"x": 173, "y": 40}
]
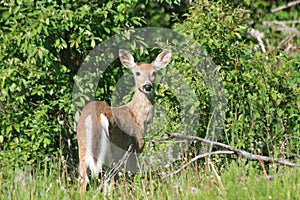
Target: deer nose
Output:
[{"x": 147, "y": 87}]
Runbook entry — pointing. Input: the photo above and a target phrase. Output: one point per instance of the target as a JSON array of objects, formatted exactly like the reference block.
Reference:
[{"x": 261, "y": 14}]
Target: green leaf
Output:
[
  {"x": 93, "y": 43},
  {"x": 5, "y": 15},
  {"x": 1, "y": 139},
  {"x": 107, "y": 30},
  {"x": 109, "y": 4}
]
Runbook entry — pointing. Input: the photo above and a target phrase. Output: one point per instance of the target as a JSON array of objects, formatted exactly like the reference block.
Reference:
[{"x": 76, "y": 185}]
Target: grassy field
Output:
[{"x": 232, "y": 180}]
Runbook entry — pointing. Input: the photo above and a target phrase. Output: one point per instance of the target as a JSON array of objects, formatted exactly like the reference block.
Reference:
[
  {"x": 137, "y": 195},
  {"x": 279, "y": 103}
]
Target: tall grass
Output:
[{"x": 238, "y": 180}]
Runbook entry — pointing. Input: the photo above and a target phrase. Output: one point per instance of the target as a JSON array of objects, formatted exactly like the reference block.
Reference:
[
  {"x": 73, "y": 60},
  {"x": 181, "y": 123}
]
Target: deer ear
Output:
[
  {"x": 162, "y": 60},
  {"x": 126, "y": 58}
]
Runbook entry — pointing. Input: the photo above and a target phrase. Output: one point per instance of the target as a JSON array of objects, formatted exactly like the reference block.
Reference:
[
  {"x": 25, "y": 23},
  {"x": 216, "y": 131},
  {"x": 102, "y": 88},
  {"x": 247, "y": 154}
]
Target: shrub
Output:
[
  {"x": 262, "y": 89},
  {"x": 42, "y": 47}
]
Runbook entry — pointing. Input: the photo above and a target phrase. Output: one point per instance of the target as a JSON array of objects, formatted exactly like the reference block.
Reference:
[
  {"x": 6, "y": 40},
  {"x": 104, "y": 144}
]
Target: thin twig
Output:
[
  {"x": 264, "y": 169},
  {"x": 290, "y": 4},
  {"x": 218, "y": 176},
  {"x": 114, "y": 170},
  {"x": 285, "y": 142}
]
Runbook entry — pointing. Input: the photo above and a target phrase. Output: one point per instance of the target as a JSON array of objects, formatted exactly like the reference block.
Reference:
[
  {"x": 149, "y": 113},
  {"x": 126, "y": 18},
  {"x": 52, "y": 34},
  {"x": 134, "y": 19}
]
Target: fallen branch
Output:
[
  {"x": 194, "y": 159},
  {"x": 290, "y": 4},
  {"x": 233, "y": 149}
]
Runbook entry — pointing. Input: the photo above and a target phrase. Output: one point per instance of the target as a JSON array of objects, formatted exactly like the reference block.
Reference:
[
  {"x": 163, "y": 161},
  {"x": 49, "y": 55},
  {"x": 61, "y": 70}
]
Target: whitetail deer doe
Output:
[{"x": 105, "y": 133}]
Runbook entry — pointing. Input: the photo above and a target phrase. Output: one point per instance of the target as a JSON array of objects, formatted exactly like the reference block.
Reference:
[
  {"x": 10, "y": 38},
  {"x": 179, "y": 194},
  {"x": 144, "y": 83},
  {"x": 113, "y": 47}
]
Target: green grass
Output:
[{"x": 240, "y": 181}]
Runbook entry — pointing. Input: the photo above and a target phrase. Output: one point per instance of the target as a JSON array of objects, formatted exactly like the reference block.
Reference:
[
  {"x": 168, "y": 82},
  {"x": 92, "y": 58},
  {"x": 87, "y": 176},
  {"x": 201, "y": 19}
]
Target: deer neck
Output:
[
  {"x": 134, "y": 117},
  {"x": 142, "y": 107}
]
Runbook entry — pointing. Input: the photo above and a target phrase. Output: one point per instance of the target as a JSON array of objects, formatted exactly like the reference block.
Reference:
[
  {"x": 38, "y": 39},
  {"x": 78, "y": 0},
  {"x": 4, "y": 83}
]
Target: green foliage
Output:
[
  {"x": 42, "y": 46},
  {"x": 262, "y": 89},
  {"x": 162, "y": 15}
]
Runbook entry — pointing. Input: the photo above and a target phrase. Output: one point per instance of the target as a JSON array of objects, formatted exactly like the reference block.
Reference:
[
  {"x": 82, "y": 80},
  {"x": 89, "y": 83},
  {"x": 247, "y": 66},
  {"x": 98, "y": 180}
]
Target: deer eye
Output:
[{"x": 137, "y": 73}]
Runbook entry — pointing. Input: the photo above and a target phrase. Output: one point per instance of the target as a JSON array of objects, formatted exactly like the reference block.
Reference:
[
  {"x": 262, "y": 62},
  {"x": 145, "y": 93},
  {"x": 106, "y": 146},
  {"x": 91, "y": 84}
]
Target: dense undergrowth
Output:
[{"x": 41, "y": 53}]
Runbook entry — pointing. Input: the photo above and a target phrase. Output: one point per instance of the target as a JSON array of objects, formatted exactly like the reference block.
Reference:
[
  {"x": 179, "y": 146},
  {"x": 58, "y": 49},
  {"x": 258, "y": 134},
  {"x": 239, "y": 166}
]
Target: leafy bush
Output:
[
  {"x": 262, "y": 89},
  {"x": 42, "y": 47},
  {"x": 44, "y": 43}
]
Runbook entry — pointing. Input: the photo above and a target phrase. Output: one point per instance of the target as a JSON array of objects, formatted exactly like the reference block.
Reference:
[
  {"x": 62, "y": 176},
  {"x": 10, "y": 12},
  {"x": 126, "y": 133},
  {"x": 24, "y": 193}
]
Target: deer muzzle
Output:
[{"x": 148, "y": 87}]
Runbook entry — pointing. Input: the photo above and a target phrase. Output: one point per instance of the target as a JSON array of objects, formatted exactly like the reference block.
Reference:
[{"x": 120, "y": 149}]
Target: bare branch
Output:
[
  {"x": 235, "y": 150},
  {"x": 281, "y": 23},
  {"x": 258, "y": 36},
  {"x": 264, "y": 170},
  {"x": 283, "y": 26},
  {"x": 290, "y": 4},
  {"x": 194, "y": 159},
  {"x": 217, "y": 176},
  {"x": 289, "y": 30}
]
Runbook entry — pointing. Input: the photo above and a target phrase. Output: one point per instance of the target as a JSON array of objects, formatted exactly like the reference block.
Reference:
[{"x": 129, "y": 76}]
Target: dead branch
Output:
[
  {"x": 217, "y": 176},
  {"x": 233, "y": 149},
  {"x": 283, "y": 26},
  {"x": 258, "y": 36},
  {"x": 290, "y": 4},
  {"x": 264, "y": 169},
  {"x": 194, "y": 159},
  {"x": 281, "y": 23},
  {"x": 289, "y": 30}
]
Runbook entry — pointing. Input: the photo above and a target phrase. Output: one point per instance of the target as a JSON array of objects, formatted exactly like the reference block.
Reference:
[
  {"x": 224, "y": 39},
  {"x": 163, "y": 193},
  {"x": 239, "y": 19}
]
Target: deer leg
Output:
[
  {"x": 83, "y": 177},
  {"x": 83, "y": 168}
]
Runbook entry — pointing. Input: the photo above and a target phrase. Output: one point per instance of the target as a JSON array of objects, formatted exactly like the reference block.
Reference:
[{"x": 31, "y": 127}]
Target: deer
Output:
[{"x": 104, "y": 133}]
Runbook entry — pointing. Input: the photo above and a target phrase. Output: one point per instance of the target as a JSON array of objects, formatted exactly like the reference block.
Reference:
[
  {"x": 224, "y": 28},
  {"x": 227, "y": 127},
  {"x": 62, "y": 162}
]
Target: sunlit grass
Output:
[{"x": 198, "y": 181}]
